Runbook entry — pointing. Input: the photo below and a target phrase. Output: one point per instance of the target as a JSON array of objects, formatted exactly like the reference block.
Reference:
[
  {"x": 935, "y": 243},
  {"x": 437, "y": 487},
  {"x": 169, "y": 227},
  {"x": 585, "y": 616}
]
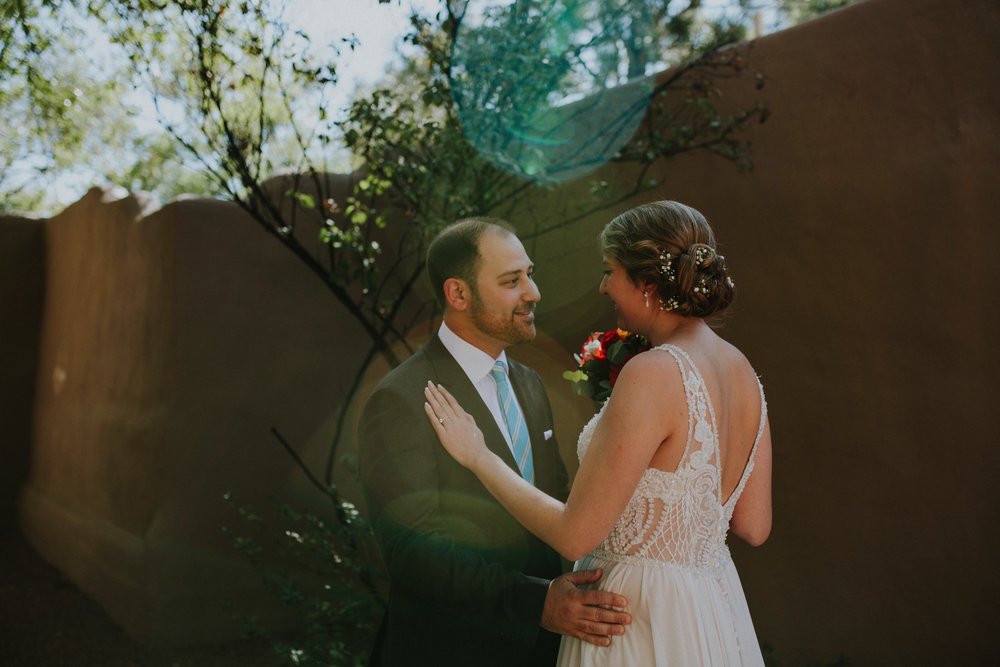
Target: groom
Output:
[{"x": 469, "y": 585}]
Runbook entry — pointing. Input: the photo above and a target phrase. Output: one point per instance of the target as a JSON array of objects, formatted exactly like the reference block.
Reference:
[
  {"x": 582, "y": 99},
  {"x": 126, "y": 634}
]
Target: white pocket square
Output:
[{"x": 548, "y": 434}]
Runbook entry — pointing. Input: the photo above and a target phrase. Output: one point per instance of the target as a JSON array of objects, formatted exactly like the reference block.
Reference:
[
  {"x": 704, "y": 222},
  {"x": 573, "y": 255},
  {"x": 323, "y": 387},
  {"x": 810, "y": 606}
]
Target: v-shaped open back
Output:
[
  {"x": 679, "y": 516},
  {"x": 698, "y": 399}
]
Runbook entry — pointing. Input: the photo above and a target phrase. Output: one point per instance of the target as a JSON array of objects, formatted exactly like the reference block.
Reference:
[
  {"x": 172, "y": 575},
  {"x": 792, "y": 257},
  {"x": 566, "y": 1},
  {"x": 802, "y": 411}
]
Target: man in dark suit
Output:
[{"x": 469, "y": 585}]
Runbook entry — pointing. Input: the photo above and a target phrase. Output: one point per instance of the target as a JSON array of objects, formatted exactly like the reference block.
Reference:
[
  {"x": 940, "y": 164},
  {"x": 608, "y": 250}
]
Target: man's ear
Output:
[{"x": 457, "y": 293}]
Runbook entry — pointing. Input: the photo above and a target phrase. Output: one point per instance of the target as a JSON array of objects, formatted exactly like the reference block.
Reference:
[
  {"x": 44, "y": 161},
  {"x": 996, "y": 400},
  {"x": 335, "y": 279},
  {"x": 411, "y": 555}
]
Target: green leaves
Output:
[
  {"x": 318, "y": 565},
  {"x": 304, "y": 200},
  {"x": 580, "y": 387},
  {"x": 618, "y": 354}
]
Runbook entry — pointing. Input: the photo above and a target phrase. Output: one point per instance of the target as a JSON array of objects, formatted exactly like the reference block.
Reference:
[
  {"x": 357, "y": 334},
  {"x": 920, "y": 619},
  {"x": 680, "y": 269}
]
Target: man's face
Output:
[{"x": 504, "y": 296}]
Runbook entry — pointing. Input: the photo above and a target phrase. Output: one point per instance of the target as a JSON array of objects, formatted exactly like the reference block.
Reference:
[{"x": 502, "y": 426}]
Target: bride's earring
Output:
[{"x": 645, "y": 298}]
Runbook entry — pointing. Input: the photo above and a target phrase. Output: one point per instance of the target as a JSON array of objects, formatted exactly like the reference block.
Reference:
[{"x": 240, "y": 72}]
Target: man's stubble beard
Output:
[{"x": 506, "y": 330}]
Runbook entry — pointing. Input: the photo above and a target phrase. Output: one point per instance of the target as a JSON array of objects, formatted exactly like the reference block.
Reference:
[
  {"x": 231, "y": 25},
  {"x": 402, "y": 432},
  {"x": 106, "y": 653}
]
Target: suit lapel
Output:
[
  {"x": 528, "y": 403},
  {"x": 533, "y": 415},
  {"x": 454, "y": 379}
]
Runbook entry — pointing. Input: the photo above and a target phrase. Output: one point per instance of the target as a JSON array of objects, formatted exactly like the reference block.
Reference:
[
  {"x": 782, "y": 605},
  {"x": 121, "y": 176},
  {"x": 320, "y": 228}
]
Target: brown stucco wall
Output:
[
  {"x": 862, "y": 246},
  {"x": 174, "y": 339},
  {"x": 22, "y": 271},
  {"x": 864, "y": 250}
]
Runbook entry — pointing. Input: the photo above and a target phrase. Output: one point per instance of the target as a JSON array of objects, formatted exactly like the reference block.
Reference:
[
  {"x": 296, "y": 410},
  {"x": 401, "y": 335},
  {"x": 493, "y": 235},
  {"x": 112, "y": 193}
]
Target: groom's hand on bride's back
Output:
[{"x": 593, "y": 616}]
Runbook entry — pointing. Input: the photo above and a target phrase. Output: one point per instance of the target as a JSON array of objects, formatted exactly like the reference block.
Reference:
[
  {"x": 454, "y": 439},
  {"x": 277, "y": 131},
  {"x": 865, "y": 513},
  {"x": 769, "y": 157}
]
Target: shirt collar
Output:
[{"x": 476, "y": 363}]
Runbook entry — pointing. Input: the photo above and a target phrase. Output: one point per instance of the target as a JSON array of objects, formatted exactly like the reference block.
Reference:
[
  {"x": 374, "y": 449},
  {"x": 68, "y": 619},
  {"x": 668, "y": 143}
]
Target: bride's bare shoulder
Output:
[
  {"x": 735, "y": 358},
  {"x": 725, "y": 367},
  {"x": 651, "y": 369}
]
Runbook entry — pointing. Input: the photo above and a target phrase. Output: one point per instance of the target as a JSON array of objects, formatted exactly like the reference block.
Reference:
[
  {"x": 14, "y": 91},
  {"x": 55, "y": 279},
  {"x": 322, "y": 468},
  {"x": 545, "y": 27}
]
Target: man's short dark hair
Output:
[{"x": 454, "y": 252}]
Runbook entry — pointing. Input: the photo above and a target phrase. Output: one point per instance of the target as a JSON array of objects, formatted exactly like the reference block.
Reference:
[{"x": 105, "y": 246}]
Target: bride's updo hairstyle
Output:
[{"x": 671, "y": 247}]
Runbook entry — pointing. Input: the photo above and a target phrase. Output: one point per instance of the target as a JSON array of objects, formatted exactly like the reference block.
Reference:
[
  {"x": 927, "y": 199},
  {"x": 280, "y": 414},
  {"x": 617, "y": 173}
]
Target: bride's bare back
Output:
[{"x": 733, "y": 392}]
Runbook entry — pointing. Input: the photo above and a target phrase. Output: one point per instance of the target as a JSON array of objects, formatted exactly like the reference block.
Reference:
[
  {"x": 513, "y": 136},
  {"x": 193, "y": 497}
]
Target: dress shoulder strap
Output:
[
  {"x": 700, "y": 410},
  {"x": 763, "y": 414},
  {"x": 753, "y": 452}
]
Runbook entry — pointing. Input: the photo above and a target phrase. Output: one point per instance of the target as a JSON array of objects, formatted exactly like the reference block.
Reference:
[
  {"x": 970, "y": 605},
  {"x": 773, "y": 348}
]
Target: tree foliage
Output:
[
  {"x": 420, "y": 130},
  {"x": 317, "y": 567},
  {"x": 797, "y": 11},
  {"x": 74, "y": 119}
]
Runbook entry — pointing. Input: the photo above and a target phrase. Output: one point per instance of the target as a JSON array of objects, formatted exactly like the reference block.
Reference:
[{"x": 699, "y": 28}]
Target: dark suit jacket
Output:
[{"x": 468, "y": 582}]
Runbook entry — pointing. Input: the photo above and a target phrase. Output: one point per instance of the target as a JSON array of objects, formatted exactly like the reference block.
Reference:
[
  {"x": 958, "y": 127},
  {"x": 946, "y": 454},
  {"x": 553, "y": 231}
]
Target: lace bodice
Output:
[{"x": 679, "y": 517}]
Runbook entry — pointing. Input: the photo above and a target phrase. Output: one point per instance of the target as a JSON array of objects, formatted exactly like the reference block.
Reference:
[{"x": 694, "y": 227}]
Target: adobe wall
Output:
[
  {"x": 864, "y": 250},
  {"x": 22, "y": 271},
  {"x": 174, "y": 340}
]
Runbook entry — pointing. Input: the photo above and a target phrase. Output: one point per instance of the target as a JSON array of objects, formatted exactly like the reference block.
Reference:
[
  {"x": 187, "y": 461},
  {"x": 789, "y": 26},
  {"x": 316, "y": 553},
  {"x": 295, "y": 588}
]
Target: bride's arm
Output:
[
  {"x": 752, "y": 515},
  {"x": 623, "y": 443}
]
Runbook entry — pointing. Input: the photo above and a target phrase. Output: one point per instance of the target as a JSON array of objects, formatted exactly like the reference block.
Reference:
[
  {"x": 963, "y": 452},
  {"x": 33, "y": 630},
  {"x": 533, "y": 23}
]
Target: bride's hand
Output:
[{"x": 455, "y": 427}]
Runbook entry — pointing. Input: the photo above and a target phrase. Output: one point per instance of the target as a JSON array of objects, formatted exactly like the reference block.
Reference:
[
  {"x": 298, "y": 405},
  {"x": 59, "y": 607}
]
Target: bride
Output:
[{"x": 677, "y": 457}]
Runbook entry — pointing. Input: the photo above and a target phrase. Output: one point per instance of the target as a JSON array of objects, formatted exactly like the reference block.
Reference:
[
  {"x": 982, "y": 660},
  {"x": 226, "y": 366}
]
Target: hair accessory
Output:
[
  {"x": 703, "y": 254},
  {"x": 666, "y": 267},
  {"x": 703, "y": 286},
  {"x": 670, "y": 304},
  {"x": 729, "y": 281}
]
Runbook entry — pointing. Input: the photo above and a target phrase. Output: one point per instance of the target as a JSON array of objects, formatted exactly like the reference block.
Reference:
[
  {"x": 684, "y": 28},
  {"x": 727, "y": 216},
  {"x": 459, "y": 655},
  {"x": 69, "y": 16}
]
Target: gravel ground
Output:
[{"x": 45, "y": 621}]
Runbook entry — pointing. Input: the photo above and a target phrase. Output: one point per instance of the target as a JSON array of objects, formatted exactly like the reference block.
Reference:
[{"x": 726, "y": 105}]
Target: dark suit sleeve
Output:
[{"x": 422, "y": 546}]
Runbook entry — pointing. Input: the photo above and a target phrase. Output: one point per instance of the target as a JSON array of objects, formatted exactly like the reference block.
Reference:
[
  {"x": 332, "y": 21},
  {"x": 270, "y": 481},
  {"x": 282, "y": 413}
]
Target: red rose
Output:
[{"x": 607, "y": 338}]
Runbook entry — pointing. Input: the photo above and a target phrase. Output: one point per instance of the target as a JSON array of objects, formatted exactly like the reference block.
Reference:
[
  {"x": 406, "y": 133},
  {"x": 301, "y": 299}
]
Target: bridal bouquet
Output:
[{"x": 601, "y": 359}]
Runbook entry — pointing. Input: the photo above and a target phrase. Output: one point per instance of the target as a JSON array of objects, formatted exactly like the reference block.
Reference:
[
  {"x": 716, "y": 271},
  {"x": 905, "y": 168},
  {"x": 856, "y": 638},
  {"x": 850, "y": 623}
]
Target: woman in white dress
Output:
[{"x": 678, "y": 456}]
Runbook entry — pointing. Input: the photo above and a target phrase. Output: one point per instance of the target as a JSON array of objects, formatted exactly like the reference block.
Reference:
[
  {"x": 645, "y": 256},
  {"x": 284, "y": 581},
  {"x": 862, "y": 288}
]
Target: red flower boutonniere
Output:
[{"x": 601, "y": 359}]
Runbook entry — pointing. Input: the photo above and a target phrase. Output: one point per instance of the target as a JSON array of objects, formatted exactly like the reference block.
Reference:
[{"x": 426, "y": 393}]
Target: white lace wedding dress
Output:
[{"x": 667, "y": 555}]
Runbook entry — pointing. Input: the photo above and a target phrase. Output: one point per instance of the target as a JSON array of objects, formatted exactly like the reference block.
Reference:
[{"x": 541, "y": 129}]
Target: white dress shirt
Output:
[{"x": 477, "y": 366}]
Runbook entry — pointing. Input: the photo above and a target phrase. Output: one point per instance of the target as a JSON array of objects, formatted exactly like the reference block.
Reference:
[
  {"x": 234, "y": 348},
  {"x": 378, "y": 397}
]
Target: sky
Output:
[{"x": 379, "y": 28}]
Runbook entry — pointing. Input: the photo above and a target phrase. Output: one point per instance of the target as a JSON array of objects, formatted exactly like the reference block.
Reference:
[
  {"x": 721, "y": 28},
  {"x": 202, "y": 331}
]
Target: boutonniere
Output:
[{"x": 601, "y": 359}]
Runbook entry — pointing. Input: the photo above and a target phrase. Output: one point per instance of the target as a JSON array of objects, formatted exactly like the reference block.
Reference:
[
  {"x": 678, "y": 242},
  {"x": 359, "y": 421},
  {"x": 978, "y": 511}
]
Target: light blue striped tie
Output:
[{"x": 516, "y": 426}]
